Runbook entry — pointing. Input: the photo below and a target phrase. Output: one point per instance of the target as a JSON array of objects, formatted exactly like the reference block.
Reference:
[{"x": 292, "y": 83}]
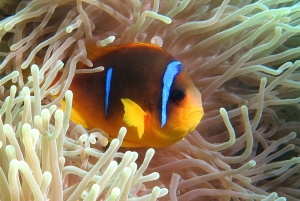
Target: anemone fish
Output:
[{"x": 142, "y": 88}]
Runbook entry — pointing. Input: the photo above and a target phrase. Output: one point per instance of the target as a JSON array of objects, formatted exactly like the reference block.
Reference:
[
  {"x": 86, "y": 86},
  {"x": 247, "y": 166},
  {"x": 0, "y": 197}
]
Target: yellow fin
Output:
[
  {"x": 128, "y": 144},
  {"x": 75, "y": 116},
  {"x": 134, "y": 116}
]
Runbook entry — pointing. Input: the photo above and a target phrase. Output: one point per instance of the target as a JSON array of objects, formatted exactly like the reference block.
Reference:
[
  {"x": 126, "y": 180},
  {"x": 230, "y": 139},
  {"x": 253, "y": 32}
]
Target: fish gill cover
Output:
[{"x": 242, "y": 56}]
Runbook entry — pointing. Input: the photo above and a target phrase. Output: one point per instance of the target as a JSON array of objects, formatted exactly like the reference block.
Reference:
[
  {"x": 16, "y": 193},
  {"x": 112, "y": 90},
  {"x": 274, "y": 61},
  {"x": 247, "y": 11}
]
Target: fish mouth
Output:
[
  {"x": 189, "y": 121},
  {"x": 186, "y": 121},
  {"x": 194, "y": 114}
]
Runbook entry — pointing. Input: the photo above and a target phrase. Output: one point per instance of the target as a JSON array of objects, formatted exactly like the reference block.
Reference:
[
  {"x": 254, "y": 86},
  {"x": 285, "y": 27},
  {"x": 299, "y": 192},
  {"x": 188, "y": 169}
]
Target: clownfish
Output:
[{"x": 142, "y": 88}]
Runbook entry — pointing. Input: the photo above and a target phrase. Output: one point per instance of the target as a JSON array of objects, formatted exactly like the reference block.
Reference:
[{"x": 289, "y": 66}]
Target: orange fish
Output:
[{"x": 142, "y": 88}]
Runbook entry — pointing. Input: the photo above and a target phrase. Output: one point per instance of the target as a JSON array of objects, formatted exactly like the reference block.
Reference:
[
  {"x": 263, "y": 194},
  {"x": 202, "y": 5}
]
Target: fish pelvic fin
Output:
[{"x": 134, "y": 116}]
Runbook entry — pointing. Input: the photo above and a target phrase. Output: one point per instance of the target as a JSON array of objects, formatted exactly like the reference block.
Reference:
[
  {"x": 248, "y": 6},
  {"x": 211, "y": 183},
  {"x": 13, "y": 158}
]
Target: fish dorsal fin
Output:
[
  {"x": 134, "y": 116},
  {"x": 95, "y": 53}
]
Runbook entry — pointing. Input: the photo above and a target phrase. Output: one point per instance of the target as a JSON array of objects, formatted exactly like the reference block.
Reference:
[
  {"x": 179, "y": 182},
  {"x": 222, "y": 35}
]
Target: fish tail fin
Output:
[
  {"x": 25, "y": 74},
  {"x": 134, "y": 116}
]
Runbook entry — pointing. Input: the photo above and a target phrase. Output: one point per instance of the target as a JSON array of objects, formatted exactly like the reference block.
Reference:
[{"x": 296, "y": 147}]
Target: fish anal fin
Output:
[
  {"x": 131, "y": 144},
  {"x": 134, "y": 116},
  {"x": 75, "y": 115}
]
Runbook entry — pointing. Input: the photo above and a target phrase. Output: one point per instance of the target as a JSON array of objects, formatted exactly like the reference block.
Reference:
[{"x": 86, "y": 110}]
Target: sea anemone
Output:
[{"x": 242, "y": 56}]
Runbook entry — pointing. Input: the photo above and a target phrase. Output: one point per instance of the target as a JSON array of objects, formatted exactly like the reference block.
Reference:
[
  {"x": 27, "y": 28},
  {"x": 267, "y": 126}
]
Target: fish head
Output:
[
  {"x": 184, "y": 111},
  {"x": 184, "y": 108}
]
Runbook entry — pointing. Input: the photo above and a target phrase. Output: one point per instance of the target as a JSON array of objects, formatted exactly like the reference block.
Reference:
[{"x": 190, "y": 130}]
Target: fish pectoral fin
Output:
[{"x": 134, "y": 116}]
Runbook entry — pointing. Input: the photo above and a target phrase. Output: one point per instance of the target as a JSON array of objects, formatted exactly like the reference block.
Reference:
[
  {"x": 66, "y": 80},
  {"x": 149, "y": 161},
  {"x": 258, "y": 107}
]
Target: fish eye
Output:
[{"x": 178, "y": 94}]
